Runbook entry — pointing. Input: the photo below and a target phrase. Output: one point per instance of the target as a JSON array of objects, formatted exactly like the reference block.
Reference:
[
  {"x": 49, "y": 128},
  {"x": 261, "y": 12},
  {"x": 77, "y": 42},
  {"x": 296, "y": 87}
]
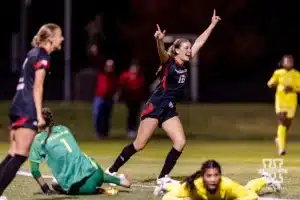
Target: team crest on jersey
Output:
[{"x": 171, "y": 105}]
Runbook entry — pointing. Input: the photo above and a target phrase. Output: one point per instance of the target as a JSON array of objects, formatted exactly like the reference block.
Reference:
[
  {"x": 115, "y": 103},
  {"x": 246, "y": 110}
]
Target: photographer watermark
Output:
[{"x": 274, "y": 166}]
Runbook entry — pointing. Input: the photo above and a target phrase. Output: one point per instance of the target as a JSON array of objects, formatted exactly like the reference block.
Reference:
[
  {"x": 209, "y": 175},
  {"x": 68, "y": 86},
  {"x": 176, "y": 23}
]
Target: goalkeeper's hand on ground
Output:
[{"x": 46, "y": 190}]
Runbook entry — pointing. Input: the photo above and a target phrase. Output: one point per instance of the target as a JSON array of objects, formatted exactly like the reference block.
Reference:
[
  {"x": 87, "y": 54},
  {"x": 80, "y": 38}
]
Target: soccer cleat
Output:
[
  {"x": 112, "y": 174},
  {"x": 272, "y": 183},
  {"x": 166, "y": 179},
  {"x": 3, "y": 198},
  {"x": 161, "y": 182},
  {"x": 281, "y": 152}
]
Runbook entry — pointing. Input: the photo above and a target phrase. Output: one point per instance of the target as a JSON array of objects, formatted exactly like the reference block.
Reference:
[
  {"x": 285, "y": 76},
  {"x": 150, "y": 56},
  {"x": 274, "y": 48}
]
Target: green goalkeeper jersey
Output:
[{"x": 63, "y": 156}]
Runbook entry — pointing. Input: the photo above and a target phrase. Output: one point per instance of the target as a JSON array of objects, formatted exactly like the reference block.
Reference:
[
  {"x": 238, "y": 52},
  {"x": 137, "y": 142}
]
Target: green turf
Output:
[
  {"x": 201, "y": 121},
  {"x": 240, "y": 161}
]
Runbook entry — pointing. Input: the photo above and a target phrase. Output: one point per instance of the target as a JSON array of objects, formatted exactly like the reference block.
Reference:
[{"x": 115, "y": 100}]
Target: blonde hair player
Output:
[
  {"x": 286, "y": 81},
  {"x": 26, "y": 108},
  {"x": 208, "y": 183},
  {"x": 160, "y": 110}
]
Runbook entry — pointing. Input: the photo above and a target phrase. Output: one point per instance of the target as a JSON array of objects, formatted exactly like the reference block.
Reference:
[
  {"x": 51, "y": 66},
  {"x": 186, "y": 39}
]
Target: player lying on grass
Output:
[
  {"x": 287, "y": 83},
  {"x": 75, "y": 172},
  {"x": 208, "y": 183}
]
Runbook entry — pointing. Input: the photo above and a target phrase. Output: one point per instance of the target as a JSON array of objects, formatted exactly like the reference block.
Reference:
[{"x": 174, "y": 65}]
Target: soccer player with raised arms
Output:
[
  {"x": 75, "y": 172},
  {"x": 160, "y": 110},
  {"x": 208, "y": 183},
  {"x": 26, "y": 108},
  {"x": 286, "y": 81}
]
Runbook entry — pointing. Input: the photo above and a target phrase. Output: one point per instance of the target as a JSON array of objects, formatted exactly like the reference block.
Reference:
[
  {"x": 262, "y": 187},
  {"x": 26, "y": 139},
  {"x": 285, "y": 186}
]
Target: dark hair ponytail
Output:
[
  {"x": 189, "y": 181},
  {"x": 48, "y": 117}
]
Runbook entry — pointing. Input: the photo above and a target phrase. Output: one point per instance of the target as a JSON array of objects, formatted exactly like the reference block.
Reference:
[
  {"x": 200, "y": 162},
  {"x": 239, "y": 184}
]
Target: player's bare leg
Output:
[
  {"x": 174, "y": 129},
  {"x": 284, "y": 125},
  {"x": 23, "y": 138}
]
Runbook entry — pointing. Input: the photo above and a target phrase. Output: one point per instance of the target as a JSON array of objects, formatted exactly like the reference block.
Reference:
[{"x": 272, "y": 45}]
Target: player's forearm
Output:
[
  {"x": 38, "y": 99},
  {"x": 271, "y": 84},
  {"x": 35, "y": 170},
  {"x": 163, "y": 55},
  {"x": 204, "y": 36},
  {"x": 200, "y": 41}
]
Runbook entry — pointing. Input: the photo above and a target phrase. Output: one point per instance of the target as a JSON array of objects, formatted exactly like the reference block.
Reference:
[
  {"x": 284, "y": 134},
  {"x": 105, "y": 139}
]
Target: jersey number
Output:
[
  {"x": 66, "y": 145},
  {"x": 181, "y": 79}
]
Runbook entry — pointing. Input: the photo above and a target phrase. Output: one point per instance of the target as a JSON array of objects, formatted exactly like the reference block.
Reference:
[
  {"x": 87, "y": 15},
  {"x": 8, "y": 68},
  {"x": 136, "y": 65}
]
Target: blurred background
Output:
[{"x": 233, "y": 66}]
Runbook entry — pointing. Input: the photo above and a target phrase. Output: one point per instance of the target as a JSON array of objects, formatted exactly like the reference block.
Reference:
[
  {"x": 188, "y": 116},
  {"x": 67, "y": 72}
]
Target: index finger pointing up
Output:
[
  {"x": 214, "y": 12},
  {"x": 158, "y": 28}
]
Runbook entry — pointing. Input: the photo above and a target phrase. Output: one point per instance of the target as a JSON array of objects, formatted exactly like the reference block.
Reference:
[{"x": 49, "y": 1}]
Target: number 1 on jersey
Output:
[{"x": 66, "y": 145}]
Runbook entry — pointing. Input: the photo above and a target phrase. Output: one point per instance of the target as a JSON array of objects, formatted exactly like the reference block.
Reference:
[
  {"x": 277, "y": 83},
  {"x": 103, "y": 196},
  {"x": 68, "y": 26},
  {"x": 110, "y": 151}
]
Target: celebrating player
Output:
[
  {"x": 161, "y": 110},
  {"x": 208, "y": 183},
  {"x": 287, "y": 83},
  {"x": 75, "y": 172},
  {"x": 26, "y": 109}
]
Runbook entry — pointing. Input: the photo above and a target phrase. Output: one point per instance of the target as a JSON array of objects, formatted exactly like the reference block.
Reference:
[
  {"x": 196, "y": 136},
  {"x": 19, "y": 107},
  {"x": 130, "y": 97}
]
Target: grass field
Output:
[
  {"x": 237, "y": 135},
  {"x": 240, "y": 160}
]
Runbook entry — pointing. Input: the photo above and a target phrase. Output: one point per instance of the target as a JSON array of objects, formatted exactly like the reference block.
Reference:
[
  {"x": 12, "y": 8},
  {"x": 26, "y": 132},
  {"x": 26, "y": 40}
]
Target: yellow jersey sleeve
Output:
[
  {"x": 236, "y": 191},
  {"x": 274, "y": 79}
]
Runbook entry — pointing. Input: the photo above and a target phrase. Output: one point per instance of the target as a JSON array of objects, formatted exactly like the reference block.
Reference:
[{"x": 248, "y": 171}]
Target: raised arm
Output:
[
  {"x": 159, "y": 36},
  {"x": 200, "y": 41}
]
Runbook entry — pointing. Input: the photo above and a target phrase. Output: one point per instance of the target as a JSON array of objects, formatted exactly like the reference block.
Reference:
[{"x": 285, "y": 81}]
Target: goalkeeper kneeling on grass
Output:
[
  {"x": 74, "y": 172},
  {"x": 208, "y": 183}
]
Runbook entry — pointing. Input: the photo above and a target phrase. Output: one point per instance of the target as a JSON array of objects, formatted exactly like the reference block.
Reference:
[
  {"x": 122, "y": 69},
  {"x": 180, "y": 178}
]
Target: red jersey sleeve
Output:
[{"x": 42, "y": 63}]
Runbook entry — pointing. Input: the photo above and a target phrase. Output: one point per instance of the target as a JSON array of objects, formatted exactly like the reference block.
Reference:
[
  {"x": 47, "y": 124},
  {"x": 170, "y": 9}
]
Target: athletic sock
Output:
[
  {"x": 281, "y": 134},
  {"x": 124, "y": 156},
  {"x": 170, "y": 162},
  {"x": 11, "y": 169},
  {"x": 4, "y": 162}
]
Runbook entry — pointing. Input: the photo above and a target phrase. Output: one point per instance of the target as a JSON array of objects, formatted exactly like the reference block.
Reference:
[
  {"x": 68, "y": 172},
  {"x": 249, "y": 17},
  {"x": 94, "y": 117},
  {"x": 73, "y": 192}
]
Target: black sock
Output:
[
  {"x": 124, "y": 156},
  {"x": 170, "y": 162},
  {"x": 5, "y": 161},
  {"x": 11, "y": 169}
]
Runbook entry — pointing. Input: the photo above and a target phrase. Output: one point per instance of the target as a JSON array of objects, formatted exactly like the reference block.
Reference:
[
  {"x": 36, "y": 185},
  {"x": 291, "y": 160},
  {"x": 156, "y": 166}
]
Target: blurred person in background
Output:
[
  {"x": 95, "y": 31},
  {"x": 106, "y": 88},
  {"x": 132, "y": 92},
  {"x": 286, "y": 81},
  {"x": 96, "y": 59}
]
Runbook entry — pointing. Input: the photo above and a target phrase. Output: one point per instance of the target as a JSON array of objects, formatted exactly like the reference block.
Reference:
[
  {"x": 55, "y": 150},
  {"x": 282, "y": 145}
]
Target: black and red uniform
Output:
[
  {"x": 23, "y": 111},
  {"x": 162, "y": 104}
]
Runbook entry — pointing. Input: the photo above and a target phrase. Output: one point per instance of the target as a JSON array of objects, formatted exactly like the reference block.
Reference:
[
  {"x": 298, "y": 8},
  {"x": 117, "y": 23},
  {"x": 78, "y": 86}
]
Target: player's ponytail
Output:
[
  {"x": 48, "y": 117},
  {"x": 44, "y": 35},
  {"x": 189, "y": 181}
]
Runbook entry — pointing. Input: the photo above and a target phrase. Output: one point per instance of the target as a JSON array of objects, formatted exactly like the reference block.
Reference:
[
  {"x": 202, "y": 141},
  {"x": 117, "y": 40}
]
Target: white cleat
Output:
[
  {"x": 272, "y": 183},
  {"x": 161, "y": 182},
  {"x": 3, "y": 198}
]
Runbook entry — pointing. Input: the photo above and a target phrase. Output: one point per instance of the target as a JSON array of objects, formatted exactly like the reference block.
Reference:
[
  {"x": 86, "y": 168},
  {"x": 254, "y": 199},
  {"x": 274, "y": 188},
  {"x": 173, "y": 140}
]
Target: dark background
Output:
[{"x": 235, "y": 63}]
